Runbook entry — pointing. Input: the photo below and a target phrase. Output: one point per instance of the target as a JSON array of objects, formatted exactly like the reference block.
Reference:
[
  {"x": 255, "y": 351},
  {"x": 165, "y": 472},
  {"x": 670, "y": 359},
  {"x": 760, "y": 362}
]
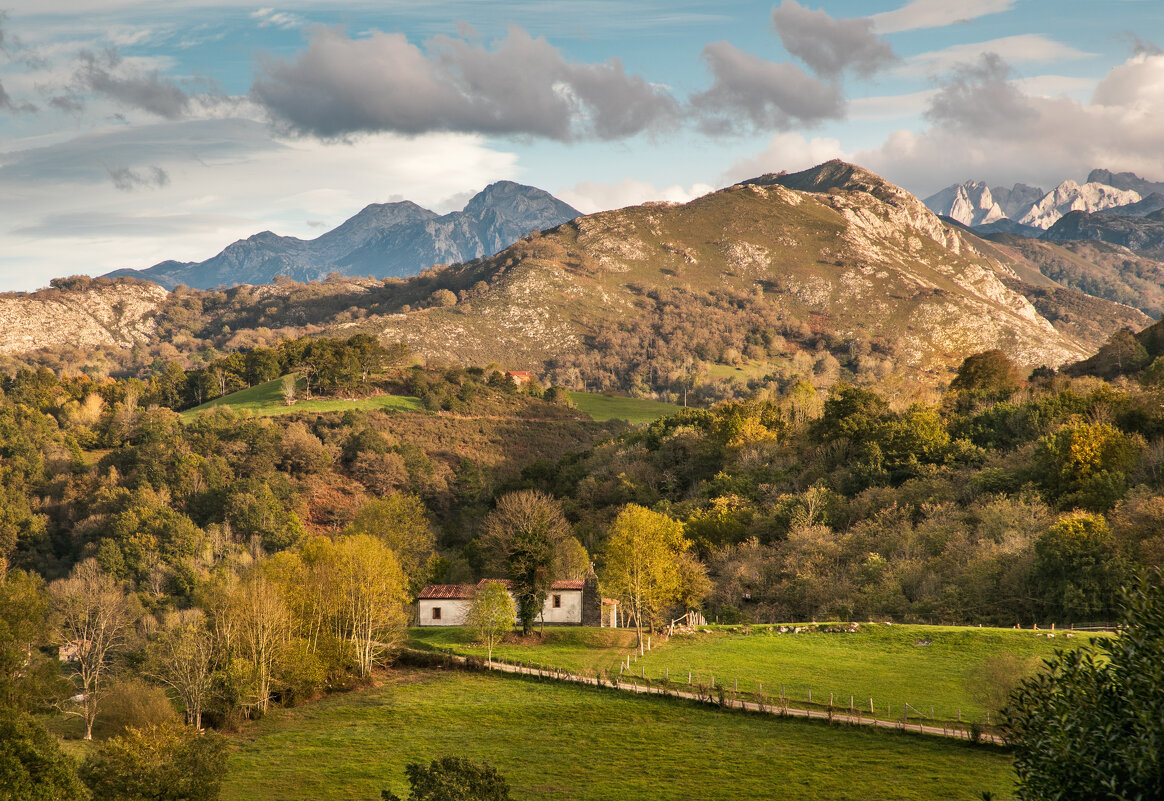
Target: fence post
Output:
[
  {"x": 689, "y": 678},
  {"x": 713, "y": 681},
  {"x": 736, "y": 686},
  {"x": 810, "y": 695},
  {"x": 871, "y": 712},
  {"x": 666, "y": 674}
]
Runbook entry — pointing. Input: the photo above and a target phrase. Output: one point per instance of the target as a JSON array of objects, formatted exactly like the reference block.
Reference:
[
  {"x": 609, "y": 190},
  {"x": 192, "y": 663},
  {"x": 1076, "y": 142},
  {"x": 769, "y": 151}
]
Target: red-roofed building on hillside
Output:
[
  {"x": 519, "y": 377},
  {"x": 574, "y": 602}
]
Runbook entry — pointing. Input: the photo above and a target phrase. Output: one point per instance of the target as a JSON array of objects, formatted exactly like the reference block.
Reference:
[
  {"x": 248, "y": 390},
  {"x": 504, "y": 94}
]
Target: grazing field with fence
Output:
[
  {"x": 944, "y": 673},
  {"x": 556, "y": 740}
]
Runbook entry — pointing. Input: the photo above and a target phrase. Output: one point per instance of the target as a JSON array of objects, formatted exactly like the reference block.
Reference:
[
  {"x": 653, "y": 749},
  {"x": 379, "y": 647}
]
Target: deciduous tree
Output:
[{"x": 491, "y": 614}]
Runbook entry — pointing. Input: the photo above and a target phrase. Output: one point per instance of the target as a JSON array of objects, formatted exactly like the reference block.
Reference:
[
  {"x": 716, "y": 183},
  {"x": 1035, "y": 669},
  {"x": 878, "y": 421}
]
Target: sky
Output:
[{"x": 135, "y": 131}]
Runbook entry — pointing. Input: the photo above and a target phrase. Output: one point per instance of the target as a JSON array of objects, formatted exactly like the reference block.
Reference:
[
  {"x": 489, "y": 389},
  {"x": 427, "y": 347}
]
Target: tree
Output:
[
  {"x": 453, "y": 779},
  {"x": 401, "y": 522},
  {"x": 491, "y": 614},
  {"x": 255, "y": 622},
  {"x": 1090, "y": 726},
  {"x": 28, "y": 680},
  {"x": 97, "y": 616},
  {"x": 990, "y": 372},
  {"x": 32, "y": 765},
  {"x": 1077, "y": 572},
  {"x": 158, "y": 763},
  {"x": 1085, "y": 465},
  {"x": 522, "y": 536},
  {"x": 287, "y": 389},
  {"x": 367, "y": 598},
  {"x": 182, "y": 657},
  {"x": 642, "y": 563}
]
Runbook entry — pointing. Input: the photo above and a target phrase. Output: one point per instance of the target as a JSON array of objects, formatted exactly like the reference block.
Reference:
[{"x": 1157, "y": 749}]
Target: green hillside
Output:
[
  {"x": 267, "y": 399},
  {"x": 563, "y": 741},
  {"x": 947, "y": 668}
]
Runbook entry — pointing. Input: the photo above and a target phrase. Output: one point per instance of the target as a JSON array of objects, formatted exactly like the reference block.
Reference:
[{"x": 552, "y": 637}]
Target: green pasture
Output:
[
  {"x": 267, "y": 399},
  {"x": 615, "y": 407},
  {"x": 948, "y": 669},
  {"x": 554, "y": 741}
]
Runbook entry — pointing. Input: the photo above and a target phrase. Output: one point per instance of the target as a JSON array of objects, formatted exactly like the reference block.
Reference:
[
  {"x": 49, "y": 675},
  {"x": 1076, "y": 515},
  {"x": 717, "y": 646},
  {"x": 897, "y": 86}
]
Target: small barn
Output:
[{"x": 574, "y": 602}]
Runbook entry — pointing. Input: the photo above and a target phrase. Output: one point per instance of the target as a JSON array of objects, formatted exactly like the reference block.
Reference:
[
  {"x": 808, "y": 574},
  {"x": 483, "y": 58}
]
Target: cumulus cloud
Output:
[
  {"x": 127, "y": 179},
  {"x": 14, "y": 106},
  {"x": 521, "y": 86},
  {"x": 766, "y": 94},
  {"x": 594, "y": 196},
  {"x": 788, "y": 152},
  {"x": 1003, "y": 133},
  {"x": 919, "y": 14},
  {"x": 830, "y": 46}
]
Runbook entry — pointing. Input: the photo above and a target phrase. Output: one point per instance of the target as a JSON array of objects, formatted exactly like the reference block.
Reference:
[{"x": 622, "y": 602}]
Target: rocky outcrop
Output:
[
  {"x": 1070, "y": 196},
  {"x": 96, "y": 314}
]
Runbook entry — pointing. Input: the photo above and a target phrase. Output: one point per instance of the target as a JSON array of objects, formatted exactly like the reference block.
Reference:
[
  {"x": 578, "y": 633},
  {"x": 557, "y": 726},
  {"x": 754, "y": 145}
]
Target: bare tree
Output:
[
  {"x": 97, "y": 616},
  {"x": 183, "y": 658},
  {"x": 260, "y": 625}
]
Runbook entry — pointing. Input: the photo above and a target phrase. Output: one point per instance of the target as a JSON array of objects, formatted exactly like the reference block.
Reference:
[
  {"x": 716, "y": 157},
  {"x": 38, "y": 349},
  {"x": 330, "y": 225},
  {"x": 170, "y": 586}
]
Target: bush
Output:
[
  {"x": 159, "y": 763},
  {"x": 32, "y": 765},
  {"x": 133, "y": 703},
  {"x": 453, "y": 779}
]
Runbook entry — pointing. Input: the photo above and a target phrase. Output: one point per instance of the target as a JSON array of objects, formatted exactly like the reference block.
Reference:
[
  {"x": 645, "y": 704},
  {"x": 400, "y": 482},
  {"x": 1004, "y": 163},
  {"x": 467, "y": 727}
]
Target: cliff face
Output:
[{"x": 100, "y": 314}]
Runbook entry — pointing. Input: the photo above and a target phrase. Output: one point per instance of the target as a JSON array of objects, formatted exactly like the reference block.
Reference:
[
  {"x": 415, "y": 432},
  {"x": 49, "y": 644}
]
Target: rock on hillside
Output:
[
  {"x": 1126, "y": 180},
  {"x": 1134, "y": 233},
  {"x": 384, "y": 239},
  {"x": 1070, "y": 196},
  {"x": 834, "y": 249},
  {"x": 88, "y": 315}
]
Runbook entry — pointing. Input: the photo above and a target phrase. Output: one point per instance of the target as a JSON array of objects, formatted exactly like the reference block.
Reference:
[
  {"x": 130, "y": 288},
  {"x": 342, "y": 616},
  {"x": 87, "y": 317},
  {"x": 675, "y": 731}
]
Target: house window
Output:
[
  {"x": 436, "y": 613},
  {"x": 557, "y": 601}
]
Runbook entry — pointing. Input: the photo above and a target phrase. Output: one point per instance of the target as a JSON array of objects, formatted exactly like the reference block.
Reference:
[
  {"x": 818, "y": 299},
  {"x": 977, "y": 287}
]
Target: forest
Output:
[{"x": 240, "y": 561}]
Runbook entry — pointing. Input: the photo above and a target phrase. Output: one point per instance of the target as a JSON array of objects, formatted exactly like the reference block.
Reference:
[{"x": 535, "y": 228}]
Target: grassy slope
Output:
[
  {"x": 887, "y": 663},
  {"x": 562, "y": 741},
  {"x": 267, "y": 399},
  {"x": 614, "y": 407}
]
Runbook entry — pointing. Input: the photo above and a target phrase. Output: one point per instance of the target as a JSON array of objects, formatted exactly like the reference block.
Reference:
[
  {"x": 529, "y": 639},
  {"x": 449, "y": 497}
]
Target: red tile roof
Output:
[
  {"x": 449, "y": 591},
  {"x": 455, "y": 591}
]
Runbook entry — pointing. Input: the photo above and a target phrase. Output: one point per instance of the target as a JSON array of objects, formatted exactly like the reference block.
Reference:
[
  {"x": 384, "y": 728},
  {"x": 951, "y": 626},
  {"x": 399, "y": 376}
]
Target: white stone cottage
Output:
[{"x": 568, "y": 603}]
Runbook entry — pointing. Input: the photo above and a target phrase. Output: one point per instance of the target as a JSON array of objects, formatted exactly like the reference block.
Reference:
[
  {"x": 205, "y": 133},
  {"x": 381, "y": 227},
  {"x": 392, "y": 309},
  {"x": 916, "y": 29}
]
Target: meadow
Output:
[
  {"x": 267, "y": 399},
  {"x": 615, "y": 407},
  {"x": 953, "y": 671},
  {"x": 554, "y": 740}
]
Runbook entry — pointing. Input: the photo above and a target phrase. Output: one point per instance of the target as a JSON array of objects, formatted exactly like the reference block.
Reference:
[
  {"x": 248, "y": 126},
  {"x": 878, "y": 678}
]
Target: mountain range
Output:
[{"x": 384, "y": 239}]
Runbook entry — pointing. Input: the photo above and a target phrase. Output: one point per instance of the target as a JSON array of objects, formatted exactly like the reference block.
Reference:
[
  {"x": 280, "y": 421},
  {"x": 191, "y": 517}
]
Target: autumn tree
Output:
[
  {"x": 160, "y": 763},
  {"x": 491, "y": 614},
  {"x": 1077, "y": 572},
  {"x": 255, "y": 623},
  {"x": 367, "y": 597},
  {"x": 182, "y": 658},
  {"x": 97, "y": 617},
  {"x": 1086, "y": 465},
  {"x": 402, "y": 523},
  {"x": 641, "y": 565}
]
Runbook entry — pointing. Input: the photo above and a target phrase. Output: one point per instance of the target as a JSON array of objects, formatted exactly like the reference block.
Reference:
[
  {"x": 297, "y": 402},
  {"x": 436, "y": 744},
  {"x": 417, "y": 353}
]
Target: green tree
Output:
[
  {"x": 1077, "y": 571},
  {"x": 158, "y": 763},
  {"x": 491, "y": 614},
  {"x": 642, "y": 563},
  {"x": 991, "y": 373},
  {"x": 32, "y": 765},
  {"x": 28, "y": 680},
  {"x": 522, "y": 537},
  {"x": 453, "y": 779},
  {"x": 1090, "y": 727},
  {"x": 1086, "y": 465},
  {"x": 401, "y": 522}
]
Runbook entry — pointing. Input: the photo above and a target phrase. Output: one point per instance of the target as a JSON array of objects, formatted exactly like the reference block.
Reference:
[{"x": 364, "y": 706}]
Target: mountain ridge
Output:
[{"x": 382, "y": 239}]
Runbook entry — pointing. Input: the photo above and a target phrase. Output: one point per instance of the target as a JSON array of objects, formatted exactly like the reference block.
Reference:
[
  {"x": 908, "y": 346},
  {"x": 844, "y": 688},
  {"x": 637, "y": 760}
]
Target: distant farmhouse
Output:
[
  {"x": 519, "y": 377},
  {"x": 569, "y": 603}
]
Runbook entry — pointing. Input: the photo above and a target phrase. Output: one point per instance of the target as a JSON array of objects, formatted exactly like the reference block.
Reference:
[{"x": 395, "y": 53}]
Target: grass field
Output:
[
  {"x": 946, "y": 668},
  {"x": 267, "y": 399},
  {"x": 613, "y": 407},
  {"x": 564, "y": 741}
]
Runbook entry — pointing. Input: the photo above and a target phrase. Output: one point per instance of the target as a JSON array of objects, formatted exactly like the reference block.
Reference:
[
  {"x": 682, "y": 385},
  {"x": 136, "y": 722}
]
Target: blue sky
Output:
[{"x": 133, "y": 131}]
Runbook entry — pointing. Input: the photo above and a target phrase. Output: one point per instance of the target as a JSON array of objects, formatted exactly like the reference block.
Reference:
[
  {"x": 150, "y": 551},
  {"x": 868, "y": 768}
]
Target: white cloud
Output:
[
  {"x": 786, "y": 151},
  {"x": 1002, "y": 132},
  {"x": 919, "y": 14},
  {"x": 227, "y": 179},
  {"x": 1027, "y": 48},
  {"x": 270, "y": 18},
  {"x": 592, "y": 196},
  {"x": 889, "y": 107}
]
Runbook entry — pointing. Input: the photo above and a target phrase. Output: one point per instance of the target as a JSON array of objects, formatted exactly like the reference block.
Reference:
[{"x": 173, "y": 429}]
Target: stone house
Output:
[{"x": 575, "y": 602}]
